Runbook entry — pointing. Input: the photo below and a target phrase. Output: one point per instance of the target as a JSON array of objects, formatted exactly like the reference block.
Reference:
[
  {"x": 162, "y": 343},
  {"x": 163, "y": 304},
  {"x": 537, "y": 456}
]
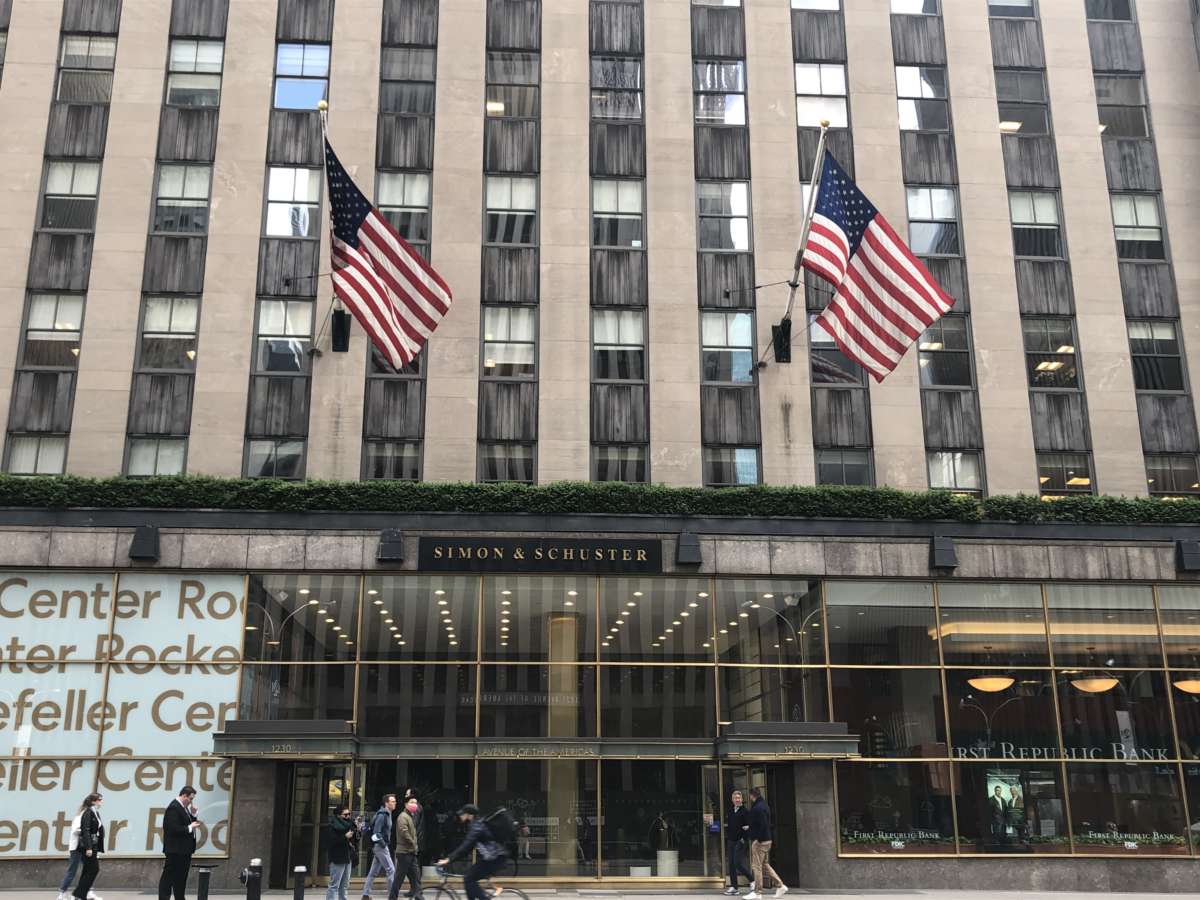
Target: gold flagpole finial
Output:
[
  {"x": 323, "y": 105},
  {"x": 824, "y": 122}
]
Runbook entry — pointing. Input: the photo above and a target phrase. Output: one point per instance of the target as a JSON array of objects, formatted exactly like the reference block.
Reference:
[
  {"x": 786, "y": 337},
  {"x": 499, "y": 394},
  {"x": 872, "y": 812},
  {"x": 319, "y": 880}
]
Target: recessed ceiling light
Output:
[
  {"x": 733, "y": 623},
  {"x": 504, "y": 643},
  {"x": 569, "y": 603},
  {"x": 505, "y": 621},
  {"x": 401, "y": 643},
  {"x": 393, "y": 628},
  {"x": 322, "y": 612},
  {"x": 743, "y": 615},
  {"x": 614, "y": 631},
  {"x": 337, "y": 627},
  {"x": 389, "y": 621},
  {"x": 768, "y": 596},
  {"x": 314, "y": 602},
  {"x": 372, "y": 592},
  {"x": 505, "y": 628},
  {"x": 685, "y": 614},
  {"x": 272, "y": 643},
  {"x": 776, "y": 646},
  {"x": 637, "y": 593},
  {"x": 329, "y": 621},
  {"x": 252, "y": 628},
  {"x": 443, "y": 602},
  {"x": 506, "y": 603},
  {"x": 572, "y": 593},
  {"x": 454, "y": 643},
  {"x": 626, "y": 612},
  {"x": 439, "y": 592},
  {"x": 305, "y": 591},
  {"x": 506, "y": 593},
  {"x": 604, "y": 643},
  {"x": 693, "y": 604},
  {"x": 756, "y": 606},
  {"x": 724, "y": 631},
  {"x": 655, "y": 645},
  {"x": 631, "y": 603},
  {"x": 706, "y": 645},
  {"x": 676, "y": 622},
  {"x": 702, "y": 595},
  {"x": 669, "y": 630}
]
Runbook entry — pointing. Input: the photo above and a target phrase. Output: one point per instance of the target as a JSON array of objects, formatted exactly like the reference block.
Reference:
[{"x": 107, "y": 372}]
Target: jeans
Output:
[
  {"x": 72, "y": 871},
  {"x": 759, "y": 852},
  {"x": 735, "y": 852},
  {"x": 483, "y": 868},
  {"x": 339, "y": 880},
  {"x": 381, "y": 862}
]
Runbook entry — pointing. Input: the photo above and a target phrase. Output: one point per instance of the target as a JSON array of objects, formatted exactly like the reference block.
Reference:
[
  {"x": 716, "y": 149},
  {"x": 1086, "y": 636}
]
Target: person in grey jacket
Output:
[{"x": 381, "y": 851}]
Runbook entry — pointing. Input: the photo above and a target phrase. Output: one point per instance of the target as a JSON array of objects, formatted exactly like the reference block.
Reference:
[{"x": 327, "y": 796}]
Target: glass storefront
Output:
[{"x": 992, "y": 718}]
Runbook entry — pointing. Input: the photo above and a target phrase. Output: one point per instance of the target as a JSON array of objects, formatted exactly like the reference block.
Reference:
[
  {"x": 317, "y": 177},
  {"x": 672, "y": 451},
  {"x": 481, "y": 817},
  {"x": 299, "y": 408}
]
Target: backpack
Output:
[{"x": 502, "y": 826}]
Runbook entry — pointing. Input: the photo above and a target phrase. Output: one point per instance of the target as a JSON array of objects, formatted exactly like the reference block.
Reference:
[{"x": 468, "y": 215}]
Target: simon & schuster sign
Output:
[{"x": 455, "y": 554}]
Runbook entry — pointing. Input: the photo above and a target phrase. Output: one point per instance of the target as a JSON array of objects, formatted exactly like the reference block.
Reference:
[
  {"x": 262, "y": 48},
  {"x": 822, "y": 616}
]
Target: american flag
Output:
[
  {"x": 396, "y": 296},
  {"x": 883, "y": 296}
]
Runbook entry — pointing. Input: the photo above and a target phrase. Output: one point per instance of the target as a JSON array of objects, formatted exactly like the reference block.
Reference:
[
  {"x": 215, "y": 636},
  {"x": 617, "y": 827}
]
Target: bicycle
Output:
[{"x": 444, "y": 891}]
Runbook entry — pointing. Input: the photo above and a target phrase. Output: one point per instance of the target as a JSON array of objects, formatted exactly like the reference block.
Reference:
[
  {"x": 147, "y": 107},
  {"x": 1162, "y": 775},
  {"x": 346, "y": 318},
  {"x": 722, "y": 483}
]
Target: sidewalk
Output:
[{"x": 573, "y": 893}]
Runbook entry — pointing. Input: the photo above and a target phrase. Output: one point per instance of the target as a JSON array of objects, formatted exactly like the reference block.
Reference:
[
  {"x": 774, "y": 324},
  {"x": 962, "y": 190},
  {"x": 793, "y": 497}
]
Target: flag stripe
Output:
[
  {"x": 370, "y": 307},
  {"x": 391, "y": 250},
  {"x": 403, "y": 331}
]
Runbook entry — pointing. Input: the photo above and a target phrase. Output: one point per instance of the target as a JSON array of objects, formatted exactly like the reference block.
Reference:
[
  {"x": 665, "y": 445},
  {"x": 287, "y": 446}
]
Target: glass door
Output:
[
  {"x": 318, "y": 789},
  {"x": 777, "y": 783}
]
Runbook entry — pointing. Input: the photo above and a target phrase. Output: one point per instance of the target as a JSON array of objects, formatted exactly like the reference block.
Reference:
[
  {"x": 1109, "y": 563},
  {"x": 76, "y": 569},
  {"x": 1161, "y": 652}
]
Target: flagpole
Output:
[{"x": 810, "y": 208}]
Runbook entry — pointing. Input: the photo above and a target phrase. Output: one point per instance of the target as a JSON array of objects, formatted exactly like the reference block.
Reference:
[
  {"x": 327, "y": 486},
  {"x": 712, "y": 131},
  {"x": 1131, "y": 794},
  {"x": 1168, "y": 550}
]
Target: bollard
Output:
[
  {"x": 298, "y": 874},
  {"x": 203, "y": 876},
  {"x": 254, "y": 880}
]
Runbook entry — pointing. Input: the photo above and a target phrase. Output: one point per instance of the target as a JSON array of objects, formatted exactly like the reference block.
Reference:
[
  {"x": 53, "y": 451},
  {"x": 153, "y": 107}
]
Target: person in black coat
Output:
[
  {"x": 737, "y": 834},
  {"x": 91, "y": 843},
  {"x": 179, "y": 843}
]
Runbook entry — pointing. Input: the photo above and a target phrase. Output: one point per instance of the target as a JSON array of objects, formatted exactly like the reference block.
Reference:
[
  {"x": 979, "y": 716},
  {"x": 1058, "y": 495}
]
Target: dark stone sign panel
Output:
[{"x": 610, "y": 555}]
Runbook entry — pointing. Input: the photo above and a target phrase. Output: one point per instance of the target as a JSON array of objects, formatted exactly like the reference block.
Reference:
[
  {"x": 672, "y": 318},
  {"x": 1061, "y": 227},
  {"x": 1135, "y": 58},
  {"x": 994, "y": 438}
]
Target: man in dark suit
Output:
[
  {"x": 179, "y": 843},
  {"x": 1000, "y": 811}
]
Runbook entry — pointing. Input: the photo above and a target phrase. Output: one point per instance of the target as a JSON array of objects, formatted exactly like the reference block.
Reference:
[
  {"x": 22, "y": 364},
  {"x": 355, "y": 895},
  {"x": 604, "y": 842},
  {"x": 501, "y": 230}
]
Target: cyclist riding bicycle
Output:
[{"x": 492, "y": 854}]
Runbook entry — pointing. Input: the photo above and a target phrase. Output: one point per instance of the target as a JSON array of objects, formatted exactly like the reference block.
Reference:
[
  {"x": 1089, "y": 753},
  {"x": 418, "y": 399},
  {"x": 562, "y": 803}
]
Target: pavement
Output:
[{"x": 600, "y": 893}]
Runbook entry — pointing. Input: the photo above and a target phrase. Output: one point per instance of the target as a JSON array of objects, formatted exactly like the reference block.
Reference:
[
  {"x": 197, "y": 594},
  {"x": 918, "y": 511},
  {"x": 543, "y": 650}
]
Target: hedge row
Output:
[{"x": 577, "y": 497}]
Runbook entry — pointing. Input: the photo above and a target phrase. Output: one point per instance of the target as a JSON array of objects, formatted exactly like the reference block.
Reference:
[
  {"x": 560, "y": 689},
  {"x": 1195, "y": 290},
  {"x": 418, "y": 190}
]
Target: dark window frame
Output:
[
  {"x": 497, "y": 88},
  {"x": 979, "y": 491},
  {"x": 1044, "y": 459},
  {"x": 1043, "y": 356},
  {"x": 157, "y": 196},
  {"x": 172, "y": 71},
  {"x": 927, "y": 351},
  {"x": 933, "y": 218},
  {"x": 484, "y": 343},
  {"x": 44, "y": 194},
  {"x": 86, "y": 69},
  {"x": 698, "y": 92},
  {"x": 1192, "y": 476},
  {"x": 513, "y": 212},
  {"x": 533, "y": 461},
  {"x": 21, "y": 364},
  {"x": 731, "y": 350},
  {"x": 1020, "y": 102},
  {"x": 302, "y": 77},
  {"x": 1036, "y": 229},
  {"x": 1147, "y": 132},
  {"x": 640, "y": 312},
  {"x": 425, "y": 83},
  {"x": 1178, "y": 356},
  {"x": 920, "y": 101},
  {"x": 819, "y": 452},
  {"x": 702, "y": 217},
  {"x": 600, "y": 89}
]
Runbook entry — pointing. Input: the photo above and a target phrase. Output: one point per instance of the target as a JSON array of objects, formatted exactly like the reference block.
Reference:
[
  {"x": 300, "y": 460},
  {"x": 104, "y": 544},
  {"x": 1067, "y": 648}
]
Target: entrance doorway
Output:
[
  {"x": 317, "y": 790},
  {"x": 778, "y": 784}
]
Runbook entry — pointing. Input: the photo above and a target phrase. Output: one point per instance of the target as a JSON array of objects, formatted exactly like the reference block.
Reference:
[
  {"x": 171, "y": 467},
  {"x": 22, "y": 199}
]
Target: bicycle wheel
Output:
[
  {"x": 514, "y": 892},
  {"x": 441, "y": 891}
]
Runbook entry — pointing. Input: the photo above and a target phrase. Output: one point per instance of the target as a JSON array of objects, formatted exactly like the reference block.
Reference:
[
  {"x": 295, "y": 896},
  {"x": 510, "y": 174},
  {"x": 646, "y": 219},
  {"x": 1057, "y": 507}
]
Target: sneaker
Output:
[
  {"x": 752, "y": 887},
  {"x": 753, "y": 895},
  {"x": 781, "y": 890},
  {"x": 731, "y": 891}
]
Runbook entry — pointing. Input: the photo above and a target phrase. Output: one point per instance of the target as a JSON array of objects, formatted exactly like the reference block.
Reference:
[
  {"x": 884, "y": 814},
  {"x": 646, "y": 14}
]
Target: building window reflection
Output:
[
  {"x": 1103, "y": 625},
  {"x": 992, "y": 624},
  {"x": 770, "y": 621},
  {"x": 1011, "y": 808},
  {"x": 1115, "y": 715},
  {"x": 881, "y": 623},
  {"x": 1001, "y": 714},
  {"x": 1122, "y": 809},
  {"x": 895, "y": 808},
  {"x": 895, "y": 712}
]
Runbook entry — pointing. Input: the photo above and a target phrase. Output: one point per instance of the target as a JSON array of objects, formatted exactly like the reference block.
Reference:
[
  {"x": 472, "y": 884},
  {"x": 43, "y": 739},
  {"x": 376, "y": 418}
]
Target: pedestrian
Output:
[
  {"x": 90, "y": 844},
  {"x": 179, "y": 843},
  {"x": 343, "y": 836},
  {"x": 737, "y": 831},
  {"x": 760, "y": 846},
  {"x": 419, "y": 818},
  {"x": 490, "y": 853},
  {"x": 381, "y": 851},
  {"x": 407, "y": 845},
  {"x": 74, "y": 860}
]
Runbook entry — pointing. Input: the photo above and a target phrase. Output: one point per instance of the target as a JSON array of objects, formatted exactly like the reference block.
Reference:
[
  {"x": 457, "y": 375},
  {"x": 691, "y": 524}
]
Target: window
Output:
[
  {"x": 916, "y": 7},
  {"x": 724, "y": 208},
  {"x": 274, "y": 458},
  {"x": 616, "y": 88},
  {"x": 720, "y": 91},
  {"x": 511, "y": 210},
  {"x": 921, "y": 93},
  {"x": 944, "y": 357},
  {"x": 849, "y": 467},
  {"x": 1016, "y": 9},
  {"x": 933, "y": 221},
  {"x": 954, "y": 470},
  {"x": 181, "y": 199},
  {"x": 829, "y": 365},
  {"x": 1121, "y": 103},
  {"x": 1138, "y": 226},
  {"x": 85, "y": 69},
  {"x": 3, "y": 48},
  {"x": 619, "y": 462},
  {"x": 35, "y": 454},
  {"x": 155, "y": 456},
  {"x": 1172, "y": 475},
  {"x": 816, "y": 4},
  {"x": 1111, "y": 10},
  {"x": 52, "y": 331},
  {"x": 1021, "y": 99},
  {"x": 301, "y": 75},
  {"x": 821, "y": 95},
  {"x": 509, "y": 336},
  {"x": 727, "y": 347},
  {"x": 729, "y": 466},
  {"x": 168, "y": 341},
  {"x": 616, "y": 213},
  {"x": 1050, "y": 353},
  {"x": 506, "y": 462},
  {"x": 293, "y": 198},
  {"x": 1035, "y": 223},
  {"x": 70, "y": 197},
  {"x": 407, "y": 81},
  {"x": 404, "y": 201},
  {"x": 284, "y": 336},
  {"x": 512, "y": 85},
  {"x": 1064, "y": 473},
  {"x": 1157, "y": 358},
  {"x": 618, "y": 345},
  {"x": 393, "y": 460},
  {"x": 194, "y": 73}
]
